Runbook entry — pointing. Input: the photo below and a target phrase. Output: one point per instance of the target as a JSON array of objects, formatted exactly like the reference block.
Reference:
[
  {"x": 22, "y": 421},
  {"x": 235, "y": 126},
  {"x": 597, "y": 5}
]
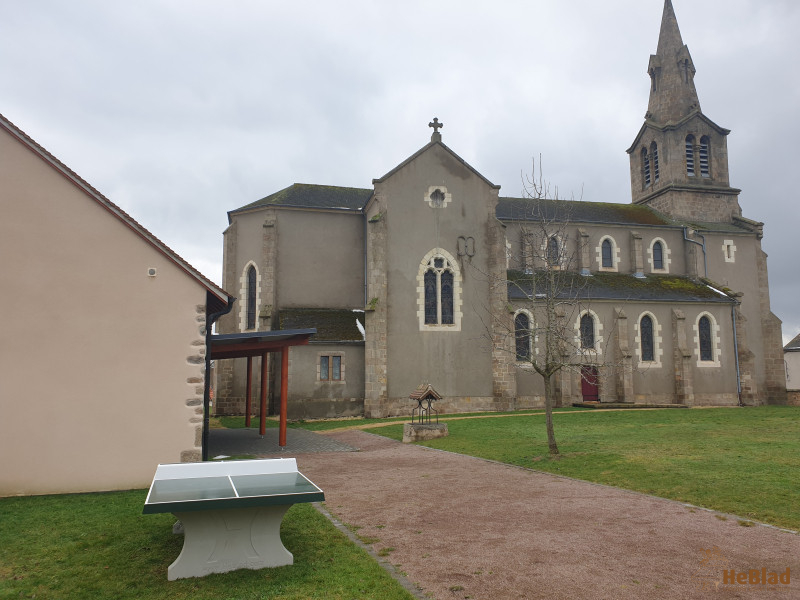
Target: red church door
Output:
[{"x": 589, "y": 384}]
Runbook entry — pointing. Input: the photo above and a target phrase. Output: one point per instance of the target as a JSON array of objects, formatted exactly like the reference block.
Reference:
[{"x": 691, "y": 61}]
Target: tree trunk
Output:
[{"x": 548, "y": 415}]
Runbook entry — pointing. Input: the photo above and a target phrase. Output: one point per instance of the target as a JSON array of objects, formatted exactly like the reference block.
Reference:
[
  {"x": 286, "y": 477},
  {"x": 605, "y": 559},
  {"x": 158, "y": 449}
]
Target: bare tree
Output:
[{"x": 554, "y": 333}]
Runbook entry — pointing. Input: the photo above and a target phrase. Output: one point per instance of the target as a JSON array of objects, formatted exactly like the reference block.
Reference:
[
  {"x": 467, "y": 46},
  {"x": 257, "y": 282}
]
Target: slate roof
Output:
[
  {"x": 616, "y": 286},
  {"x": 794, "y": 345},
  {"x": 332, "y": 325},
  {"x": 529, "y": 209},
  {"x": 306, "y": 195},
  {"x": 703, "y": 226}
]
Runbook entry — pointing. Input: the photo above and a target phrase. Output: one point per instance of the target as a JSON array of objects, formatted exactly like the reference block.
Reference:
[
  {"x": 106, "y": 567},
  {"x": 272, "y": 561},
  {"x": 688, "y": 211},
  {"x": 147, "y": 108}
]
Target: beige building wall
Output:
[
  {"x": 101, "y": 366},
  {"x": 792, "y": 366}
]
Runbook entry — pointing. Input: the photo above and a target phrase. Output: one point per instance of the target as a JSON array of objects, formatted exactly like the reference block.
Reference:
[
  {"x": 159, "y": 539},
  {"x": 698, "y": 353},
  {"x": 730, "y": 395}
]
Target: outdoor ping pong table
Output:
[{"x": 231, "y": 512}]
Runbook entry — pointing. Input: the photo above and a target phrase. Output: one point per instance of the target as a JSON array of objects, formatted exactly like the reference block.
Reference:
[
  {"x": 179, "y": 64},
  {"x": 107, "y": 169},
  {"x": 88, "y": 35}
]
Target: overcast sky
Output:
[{"x": 180, "y": 110}]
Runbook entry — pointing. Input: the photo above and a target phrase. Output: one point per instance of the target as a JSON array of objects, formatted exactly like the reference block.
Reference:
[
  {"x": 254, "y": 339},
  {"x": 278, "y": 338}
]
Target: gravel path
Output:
[{"x": 462, "y": 527}]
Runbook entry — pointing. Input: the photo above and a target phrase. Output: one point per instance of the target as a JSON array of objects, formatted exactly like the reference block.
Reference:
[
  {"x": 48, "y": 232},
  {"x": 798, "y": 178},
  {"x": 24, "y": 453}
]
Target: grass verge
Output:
[
  {"x": 101, "y": 546},
  {"x": 237, "y": 422},
  {"x": 736, "y": 460}
]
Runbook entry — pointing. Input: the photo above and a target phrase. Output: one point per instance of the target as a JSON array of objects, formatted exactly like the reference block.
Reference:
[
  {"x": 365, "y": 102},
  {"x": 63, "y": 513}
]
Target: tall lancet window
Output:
[
  {"x": 646, "y": 337},
  {"x": 446, "y": 297},
  {"x": 704, "y": 157},
  {"x": 607, "y": 254},
  {"x": 690, "y": 155},
  {"x": 654, "y": 154},
  {"x": 251, "y": 297},
  {"x": 646, "y": 167},
  {"x": 553, "y": 251},
  {"x": 587, "y": 332},
  {"x": 431, "y": 300},
  {"x": 522, "y": 335},
  {"x": 706, "y": 344},
  {"x": 658, "y": 256}
]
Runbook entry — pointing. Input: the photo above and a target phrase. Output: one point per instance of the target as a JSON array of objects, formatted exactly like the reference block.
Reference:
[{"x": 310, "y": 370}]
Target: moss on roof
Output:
[
  {"x": 703, "y": 226},
  {"x": 337, "y": 325},
  {"x": 314, "y": 196},
  {"x": 530, "y": 209},
  {"x": 615, "y": 286},
  {"x": 305, "y": 195}
]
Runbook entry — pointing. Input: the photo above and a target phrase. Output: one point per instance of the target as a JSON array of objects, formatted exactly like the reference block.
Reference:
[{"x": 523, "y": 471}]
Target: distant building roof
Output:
[
  {"x": 615, "y": 286},
  {"x": 794, "y": 345},
  {"x": 332, "y": 325}
]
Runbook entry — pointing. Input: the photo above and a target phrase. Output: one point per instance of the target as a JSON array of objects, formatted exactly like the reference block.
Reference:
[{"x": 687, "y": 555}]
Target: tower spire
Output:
[{"x": 672, "y": 92}]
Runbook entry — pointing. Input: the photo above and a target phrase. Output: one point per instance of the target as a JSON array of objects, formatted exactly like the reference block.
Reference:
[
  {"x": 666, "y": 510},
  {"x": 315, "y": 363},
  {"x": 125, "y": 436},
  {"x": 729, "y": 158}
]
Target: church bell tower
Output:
[{"x": 679, "y": 159}]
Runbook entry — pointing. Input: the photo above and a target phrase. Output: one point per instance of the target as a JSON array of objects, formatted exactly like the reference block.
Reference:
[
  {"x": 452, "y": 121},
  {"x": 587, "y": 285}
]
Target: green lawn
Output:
[
  {"x": 100, "y": 546},
  {"x": 328, "y": 424},
  {"x": 744, "y": 461}
]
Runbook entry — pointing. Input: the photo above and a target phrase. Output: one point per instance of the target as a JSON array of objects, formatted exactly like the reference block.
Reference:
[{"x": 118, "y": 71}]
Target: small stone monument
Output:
[{"x": 423, "y": 429}]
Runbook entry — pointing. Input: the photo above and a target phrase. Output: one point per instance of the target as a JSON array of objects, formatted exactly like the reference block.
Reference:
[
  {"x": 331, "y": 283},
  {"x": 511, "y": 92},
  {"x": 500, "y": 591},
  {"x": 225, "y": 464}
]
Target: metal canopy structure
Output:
[{"x": 259, "y": 343}]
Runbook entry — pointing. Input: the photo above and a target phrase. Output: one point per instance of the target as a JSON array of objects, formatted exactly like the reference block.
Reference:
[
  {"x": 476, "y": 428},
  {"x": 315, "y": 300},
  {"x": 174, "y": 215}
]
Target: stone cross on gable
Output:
[{"x": 436, "y": 136}]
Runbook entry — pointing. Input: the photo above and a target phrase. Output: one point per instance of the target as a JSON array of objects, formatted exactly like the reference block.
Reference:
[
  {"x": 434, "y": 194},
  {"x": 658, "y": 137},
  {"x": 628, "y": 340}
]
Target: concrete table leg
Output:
[{"x": 218, "y": 541}]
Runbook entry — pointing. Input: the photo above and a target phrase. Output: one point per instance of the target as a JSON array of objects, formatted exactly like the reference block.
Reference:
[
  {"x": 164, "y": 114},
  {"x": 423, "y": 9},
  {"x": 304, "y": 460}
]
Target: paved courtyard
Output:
[
  {"x": 237, "y": 442},
  {"x": 462, "y": 527}
]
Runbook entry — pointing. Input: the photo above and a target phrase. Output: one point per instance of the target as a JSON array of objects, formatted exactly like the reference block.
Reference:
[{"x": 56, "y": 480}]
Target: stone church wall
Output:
[
  {"x": 456, "y": 359},
  {"x": 315, "y": 247}
]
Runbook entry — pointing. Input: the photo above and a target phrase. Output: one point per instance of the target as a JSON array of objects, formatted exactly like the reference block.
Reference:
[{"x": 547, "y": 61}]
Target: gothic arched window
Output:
[
  {"x": 587, "y": 332},
  {"x": 646, "y": 337},
  {"x": 658, "y": 256},
  {"x": 646, "y": 167},
  {"x": 690, "y": 155},
  {"x": 522, "y": 335},
  {"x": 607, "y": 252},
  {"x": 705, "y": 156},
  {"x": 251, "y": 297},
  {"x": 654, "y": 154},
  {"x": 439, "y": 279},
  {"x": 704, "y": 333}
]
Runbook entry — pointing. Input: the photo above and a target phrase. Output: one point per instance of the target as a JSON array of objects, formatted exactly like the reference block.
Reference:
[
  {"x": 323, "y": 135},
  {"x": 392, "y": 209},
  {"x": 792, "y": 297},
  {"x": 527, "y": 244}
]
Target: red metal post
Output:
[
  {"x": 284, "y": 393},
  {"x": 248, "y": 403},
  {"x": 263, "y": 427}
]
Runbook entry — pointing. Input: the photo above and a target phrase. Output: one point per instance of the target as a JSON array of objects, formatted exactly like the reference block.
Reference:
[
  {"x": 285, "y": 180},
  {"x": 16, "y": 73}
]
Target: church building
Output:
[{"x": 430, "y": 276}]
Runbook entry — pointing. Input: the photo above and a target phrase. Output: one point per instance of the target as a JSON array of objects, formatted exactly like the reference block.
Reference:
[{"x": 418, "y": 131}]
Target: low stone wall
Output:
[
  {"x": 793, "y": 397},
  {"x": 528, "y": 402},
  {"x": 419, "y": 432},
  {"x": 327, "y": 408},
  {"x": 401, "y": 407}
]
